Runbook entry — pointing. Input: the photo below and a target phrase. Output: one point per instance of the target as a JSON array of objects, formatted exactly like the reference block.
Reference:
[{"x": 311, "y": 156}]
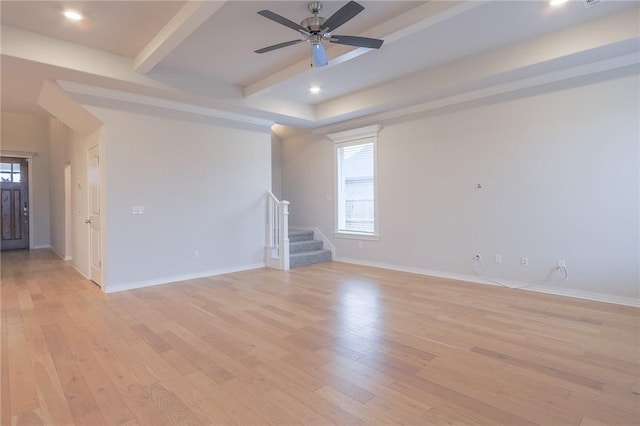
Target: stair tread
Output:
[
  {"x": 303, "y": 242},
  {"x": 314, "y": 252},
  {"x": 296, "y": 235}
]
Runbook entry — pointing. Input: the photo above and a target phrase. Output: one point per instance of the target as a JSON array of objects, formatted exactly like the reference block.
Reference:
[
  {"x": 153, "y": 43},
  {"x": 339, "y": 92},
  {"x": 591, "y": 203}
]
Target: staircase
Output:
[{"x": 304, "y": 250}]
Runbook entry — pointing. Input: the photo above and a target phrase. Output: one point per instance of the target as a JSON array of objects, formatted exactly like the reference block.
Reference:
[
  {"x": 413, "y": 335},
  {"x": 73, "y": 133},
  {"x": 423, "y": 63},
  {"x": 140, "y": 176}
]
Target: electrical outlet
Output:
[
  {"x": 561, "y": 263},
  {"x": 498, "y": 258},
  {"x": 524, "y": 261}
]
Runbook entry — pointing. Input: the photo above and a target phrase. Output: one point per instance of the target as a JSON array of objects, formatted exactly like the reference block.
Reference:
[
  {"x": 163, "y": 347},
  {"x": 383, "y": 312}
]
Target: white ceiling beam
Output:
[
  {"x": 182, "y": 25},
  {"x": 404, "y": 25},
  {"x": 62, "y": 60},
  {"x": 561, "y": 49}
]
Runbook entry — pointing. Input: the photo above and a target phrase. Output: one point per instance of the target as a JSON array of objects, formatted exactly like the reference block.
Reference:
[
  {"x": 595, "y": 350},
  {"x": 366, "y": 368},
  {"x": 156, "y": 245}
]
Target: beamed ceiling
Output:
[{"x": 198, "y": 57}]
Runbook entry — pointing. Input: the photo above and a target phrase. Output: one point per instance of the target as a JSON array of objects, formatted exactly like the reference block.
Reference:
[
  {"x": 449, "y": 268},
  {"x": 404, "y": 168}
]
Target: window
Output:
[
  {"x": 9, "y": 172},
  {"x": 356, "y": 182}
]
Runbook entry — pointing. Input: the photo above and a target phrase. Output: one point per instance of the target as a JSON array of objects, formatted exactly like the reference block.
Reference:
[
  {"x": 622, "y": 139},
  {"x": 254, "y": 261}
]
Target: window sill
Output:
[{"x": 356, "y": 236}]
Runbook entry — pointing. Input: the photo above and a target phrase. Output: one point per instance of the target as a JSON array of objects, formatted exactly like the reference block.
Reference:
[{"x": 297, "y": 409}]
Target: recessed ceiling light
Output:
[
  {"x": 73, "y": 15},
  {"x": 557, "y": 2},
  {"x": 314, "y": 89}
]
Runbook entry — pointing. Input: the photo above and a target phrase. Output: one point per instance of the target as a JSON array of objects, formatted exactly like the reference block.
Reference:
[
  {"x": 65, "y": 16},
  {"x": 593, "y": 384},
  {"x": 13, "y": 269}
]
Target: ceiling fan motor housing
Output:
[
  {"x": 315, "y": 7},
  {"x": 315, "y": 22}
]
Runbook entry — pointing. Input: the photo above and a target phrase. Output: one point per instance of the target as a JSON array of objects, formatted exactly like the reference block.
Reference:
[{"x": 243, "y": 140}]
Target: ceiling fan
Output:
[{"x": 316, "y": 29}]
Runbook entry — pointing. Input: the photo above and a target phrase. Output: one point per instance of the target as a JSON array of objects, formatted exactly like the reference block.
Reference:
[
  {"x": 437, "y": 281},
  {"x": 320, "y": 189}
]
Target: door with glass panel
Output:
[{"x": 14, "y": 189}]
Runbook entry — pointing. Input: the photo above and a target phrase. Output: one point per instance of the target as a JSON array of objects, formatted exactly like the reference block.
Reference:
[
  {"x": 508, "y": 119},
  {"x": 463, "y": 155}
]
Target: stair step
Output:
[
  {"x": 309, "y": 257},
  {"x": 302, "y": 246},
  {"x": 300, "y": 235}
]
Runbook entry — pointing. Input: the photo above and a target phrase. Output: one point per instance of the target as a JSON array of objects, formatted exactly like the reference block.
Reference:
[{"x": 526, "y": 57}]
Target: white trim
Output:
[
  {"x": 356, "y": 236},
  {"x": 18, "y": 154},
  {"x": 41, "y": 246},
  {"x": 175, "y": 278},
  {"x": 30, "y": 189},
  {"x": 59, "y": 255},
  {"x": 82, "y": 273},
  {"x": 355, "y": 134},
  {"x": 361, "y": 136},
  {"x": 68, "y": 212},
  {"x": 98, "y": 280},
  {"x": 152, "y": 101},
  {"x": 598, "y": 297},
  {"x": 191, "y": 16},
  {"x": 27, "y": 155}
]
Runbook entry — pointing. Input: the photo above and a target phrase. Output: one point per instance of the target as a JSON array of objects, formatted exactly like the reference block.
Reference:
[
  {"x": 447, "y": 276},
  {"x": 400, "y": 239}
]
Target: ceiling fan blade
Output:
[
  {"x": 319, "y": 55},
  {"x": 278, "y": 46},
  {"x": 344, "y": 14},
  {"x": 372, "y": 43},
  {"x": 283, "y": 21}
]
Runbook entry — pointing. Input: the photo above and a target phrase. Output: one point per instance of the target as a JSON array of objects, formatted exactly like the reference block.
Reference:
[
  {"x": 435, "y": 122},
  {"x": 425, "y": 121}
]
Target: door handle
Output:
[{"x": 87, "y": 221}]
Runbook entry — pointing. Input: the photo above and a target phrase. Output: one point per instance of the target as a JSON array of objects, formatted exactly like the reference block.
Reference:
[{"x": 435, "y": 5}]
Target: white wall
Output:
[
  {"x": 276, "y": 166},
  {"x": 560, "y": 177},
  {"x": 202, "y": 187},
  {"x": 27, "y": 133},
  {"x": 59, "y": 138},
  {"x": 70, "y": 147}
]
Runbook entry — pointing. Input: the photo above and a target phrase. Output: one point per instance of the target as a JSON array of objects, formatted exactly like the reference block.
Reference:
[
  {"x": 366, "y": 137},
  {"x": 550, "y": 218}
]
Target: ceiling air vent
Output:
[{"x": 591, "y": 3}]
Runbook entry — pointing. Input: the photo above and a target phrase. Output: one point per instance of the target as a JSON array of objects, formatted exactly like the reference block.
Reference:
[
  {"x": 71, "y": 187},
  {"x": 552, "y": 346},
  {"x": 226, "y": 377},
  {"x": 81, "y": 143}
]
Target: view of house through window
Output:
[
  {"x": 9, "y": 172},
  {"x": 356, "y": 186}
]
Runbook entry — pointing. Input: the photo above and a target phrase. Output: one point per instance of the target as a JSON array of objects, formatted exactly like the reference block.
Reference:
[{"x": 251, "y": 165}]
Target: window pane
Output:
[
  {"x": 16, "y": 167},
  {"x": 16, "y": 177},
  {"x": 356, "y": 208},
  {"x": 5, "y": 167},
  {"x": 5, "y": 177}
]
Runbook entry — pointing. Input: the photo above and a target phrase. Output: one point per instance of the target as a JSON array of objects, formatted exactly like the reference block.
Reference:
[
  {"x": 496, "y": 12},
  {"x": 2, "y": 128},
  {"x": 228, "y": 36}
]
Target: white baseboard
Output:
[
  {"x": 59, "y": 255},
  {"x": 598, "y": 297},
  {"x": 46, "y": 246},
  {"x": 80, "y": 272},
  {"x": 176, "y": 278}
]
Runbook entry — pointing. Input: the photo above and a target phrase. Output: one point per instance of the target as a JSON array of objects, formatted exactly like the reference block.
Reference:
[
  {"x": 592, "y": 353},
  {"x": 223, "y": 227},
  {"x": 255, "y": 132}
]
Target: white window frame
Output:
[{"x": 360, "y": 136}]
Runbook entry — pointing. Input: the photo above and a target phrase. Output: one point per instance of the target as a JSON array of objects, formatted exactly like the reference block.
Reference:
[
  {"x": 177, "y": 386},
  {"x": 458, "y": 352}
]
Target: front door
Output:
[
  {"x": 14, "y": 186},
  {"x": 95, "y": 256}
]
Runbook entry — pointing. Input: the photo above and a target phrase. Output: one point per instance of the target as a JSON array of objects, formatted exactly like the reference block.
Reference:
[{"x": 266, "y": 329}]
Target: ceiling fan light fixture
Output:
[
  {"x": 314, "y": 89},
  {"x": 316, "y": 29},
  {"x": 319, "y": 54},
  {"x": 556, "y": 3}
]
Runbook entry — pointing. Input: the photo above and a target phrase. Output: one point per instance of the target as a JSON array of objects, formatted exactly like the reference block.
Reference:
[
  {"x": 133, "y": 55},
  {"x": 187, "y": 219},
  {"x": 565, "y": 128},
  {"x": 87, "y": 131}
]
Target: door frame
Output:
[
  {"x": 68, "y": 213},
  {"x": 29, "y": 157},
  {"x": 99, "y": 280}
]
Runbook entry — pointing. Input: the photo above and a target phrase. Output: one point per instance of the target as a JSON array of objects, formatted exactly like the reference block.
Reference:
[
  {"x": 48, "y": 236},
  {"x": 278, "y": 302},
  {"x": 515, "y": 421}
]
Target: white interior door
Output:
[{"x": 95, "y": 256}]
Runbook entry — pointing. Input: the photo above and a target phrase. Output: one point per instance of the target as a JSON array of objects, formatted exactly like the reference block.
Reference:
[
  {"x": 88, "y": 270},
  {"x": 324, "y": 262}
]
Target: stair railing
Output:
[{"x": 277, "y": 249}]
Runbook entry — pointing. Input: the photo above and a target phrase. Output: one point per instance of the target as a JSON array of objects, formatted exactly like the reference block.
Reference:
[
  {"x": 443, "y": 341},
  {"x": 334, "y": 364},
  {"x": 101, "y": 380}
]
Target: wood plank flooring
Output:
[{"x": 326, "y": 344}]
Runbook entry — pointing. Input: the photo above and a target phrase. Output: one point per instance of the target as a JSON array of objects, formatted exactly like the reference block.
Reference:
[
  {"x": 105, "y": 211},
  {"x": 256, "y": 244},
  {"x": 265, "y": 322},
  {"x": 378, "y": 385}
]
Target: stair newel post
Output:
[{"x": 284, "y": 234}]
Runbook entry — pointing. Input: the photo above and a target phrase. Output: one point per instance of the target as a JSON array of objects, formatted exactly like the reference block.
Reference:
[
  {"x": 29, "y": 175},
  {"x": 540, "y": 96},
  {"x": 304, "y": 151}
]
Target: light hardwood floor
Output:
[{"x": 329, "y": 343}]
